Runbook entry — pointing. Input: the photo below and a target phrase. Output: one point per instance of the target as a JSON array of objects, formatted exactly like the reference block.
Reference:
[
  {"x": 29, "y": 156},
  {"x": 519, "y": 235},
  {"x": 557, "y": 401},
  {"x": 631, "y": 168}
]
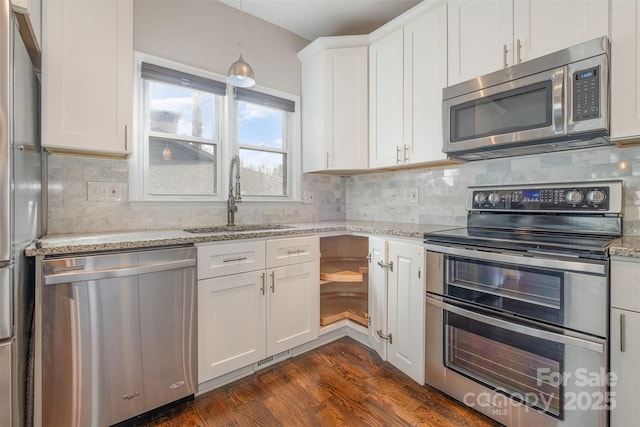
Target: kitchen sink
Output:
[{"x": 242, "y": 227}]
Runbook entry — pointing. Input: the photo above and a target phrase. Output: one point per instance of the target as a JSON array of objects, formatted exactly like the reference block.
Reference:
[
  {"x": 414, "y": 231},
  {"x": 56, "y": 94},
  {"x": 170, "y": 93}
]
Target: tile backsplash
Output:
[
  {"x": 382, "y": 196},
  {"x": 386, "y": 196}
]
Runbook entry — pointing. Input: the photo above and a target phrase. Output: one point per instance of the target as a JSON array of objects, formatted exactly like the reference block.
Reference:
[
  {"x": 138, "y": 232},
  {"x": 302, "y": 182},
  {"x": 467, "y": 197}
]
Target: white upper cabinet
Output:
[
  {"x": 87, "y": 77},
  {"x": 480, "y": 31},
  {"x": 487, "y": 35},
  {"x": 407, "y": 71},
  {"x": 625, "y": 71},
  {"x": 542, "y": 27},
  {"x": 335, "y": 99},
  {"x": 386, "y": 101},
  {"x": 425, "y": 74}
]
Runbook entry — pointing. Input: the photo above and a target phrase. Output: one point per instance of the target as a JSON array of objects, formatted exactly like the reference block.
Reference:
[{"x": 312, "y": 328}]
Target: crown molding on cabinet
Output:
[
  {"x": 403, "y": 19},
  {"x": 333, "y": 42}
]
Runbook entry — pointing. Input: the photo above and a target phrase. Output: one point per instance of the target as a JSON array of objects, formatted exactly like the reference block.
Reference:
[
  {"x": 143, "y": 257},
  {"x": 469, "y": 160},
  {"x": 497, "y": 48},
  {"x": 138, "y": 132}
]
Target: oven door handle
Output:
[
  {"x": 580, "y": 266},
  {"x": 598, "y": 347}
]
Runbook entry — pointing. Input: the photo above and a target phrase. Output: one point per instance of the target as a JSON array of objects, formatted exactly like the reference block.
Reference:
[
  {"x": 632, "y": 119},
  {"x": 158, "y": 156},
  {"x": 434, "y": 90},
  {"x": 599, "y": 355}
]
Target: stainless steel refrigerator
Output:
[{"x": 20, "y": 213}]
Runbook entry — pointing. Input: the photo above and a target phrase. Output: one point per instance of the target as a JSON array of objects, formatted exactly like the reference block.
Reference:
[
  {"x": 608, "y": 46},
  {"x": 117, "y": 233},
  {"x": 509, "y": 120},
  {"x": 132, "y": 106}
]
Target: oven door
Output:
[
  {"x": 571, "y": 294},
  {"x": 517, "y": 374},
  {"x": 525, "y": 109}
]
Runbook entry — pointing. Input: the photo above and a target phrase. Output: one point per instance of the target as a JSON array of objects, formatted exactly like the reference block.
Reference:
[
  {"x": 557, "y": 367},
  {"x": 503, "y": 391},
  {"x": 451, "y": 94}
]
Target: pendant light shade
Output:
[{"x": 241, "y": 74}]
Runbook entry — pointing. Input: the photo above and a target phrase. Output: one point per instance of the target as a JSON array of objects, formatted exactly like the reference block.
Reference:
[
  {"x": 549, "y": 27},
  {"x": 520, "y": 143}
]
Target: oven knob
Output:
[
  {"x": 480, "y": 198},
  {"x": 596, "y": 196},
  {"x": 574, "y": 196},
  {"x": 494, "y": 198}
]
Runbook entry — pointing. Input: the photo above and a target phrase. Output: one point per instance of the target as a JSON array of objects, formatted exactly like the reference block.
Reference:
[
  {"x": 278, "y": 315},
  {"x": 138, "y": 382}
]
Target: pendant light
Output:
[{"x": 240, "y": 73}]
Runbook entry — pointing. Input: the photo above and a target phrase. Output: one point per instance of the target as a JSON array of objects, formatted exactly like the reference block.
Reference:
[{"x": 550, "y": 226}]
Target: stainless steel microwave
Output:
[{"x": 556, "y": 102}]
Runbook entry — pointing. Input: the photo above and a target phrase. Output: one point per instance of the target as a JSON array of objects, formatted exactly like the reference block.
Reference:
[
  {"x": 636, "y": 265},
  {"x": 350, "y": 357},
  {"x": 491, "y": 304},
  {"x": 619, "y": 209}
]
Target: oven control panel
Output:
[{"x": 584, "y": 197}]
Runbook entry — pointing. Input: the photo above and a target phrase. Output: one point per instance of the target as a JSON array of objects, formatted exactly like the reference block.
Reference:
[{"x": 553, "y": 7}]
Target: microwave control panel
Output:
[{"x": 586, "y": 94}]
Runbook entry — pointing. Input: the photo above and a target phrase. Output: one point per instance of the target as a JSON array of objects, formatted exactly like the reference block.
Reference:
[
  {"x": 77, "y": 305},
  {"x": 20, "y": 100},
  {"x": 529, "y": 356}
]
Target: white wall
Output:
[{"x": 205, "y": 34}]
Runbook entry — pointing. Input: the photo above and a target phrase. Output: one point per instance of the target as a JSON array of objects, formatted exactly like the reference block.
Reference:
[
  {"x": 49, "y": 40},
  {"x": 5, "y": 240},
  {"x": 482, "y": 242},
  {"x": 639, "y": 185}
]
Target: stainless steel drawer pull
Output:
[
  {"x": 297, "y": 251},
  {"x": 240, "y": 258},
  {"x": 262, "y": 278},
  {"x": 623, "y": 333}
]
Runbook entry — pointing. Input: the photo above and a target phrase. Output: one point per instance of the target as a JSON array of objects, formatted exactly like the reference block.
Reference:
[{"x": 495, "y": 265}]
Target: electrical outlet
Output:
[
  {"x": 413, "y": 195},
  {"x": 104, "y": 192},
  {"x": 308, "y": 197}
]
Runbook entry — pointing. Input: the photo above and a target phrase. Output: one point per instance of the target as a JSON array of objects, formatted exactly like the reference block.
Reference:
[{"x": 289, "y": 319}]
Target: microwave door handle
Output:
[{"x": 558, "y": 96}]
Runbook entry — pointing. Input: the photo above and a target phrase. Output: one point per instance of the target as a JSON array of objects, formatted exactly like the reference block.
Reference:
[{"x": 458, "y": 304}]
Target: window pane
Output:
[
  {"x": 263, "y": 173},
  {"x": 180, "y": 111},
  {"x": 180, "y": 167},
  {"x": 260, "y": 126}
]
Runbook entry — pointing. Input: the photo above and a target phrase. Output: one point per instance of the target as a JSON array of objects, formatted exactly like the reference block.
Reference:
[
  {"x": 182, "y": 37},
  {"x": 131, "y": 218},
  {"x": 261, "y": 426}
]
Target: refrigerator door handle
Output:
[{"x": 6, "y": 303}]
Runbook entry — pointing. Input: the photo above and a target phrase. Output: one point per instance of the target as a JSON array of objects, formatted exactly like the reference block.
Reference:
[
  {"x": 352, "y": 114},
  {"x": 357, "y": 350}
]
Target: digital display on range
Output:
[{"x": 531, "y": 195}]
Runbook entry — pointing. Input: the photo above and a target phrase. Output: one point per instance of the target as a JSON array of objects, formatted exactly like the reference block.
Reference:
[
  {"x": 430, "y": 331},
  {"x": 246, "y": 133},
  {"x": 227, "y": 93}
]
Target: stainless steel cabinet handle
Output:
[
  {"x": 398, "y": 150},
  {"x": 505, "y": 51},
  {"x": 369, "y": 258},
  {"x": 126, "y": 137},
  {"x": 297, "y": 251},
  {"x": 519, "y": 51},
  {"x": 262, "y": 278},
  {"x": 388, "y": 337},
  {"x": 623, "y": 333},
  {"x": 327, "y": 160},
  {"x": 406, "y": 153},
  {"x": 240, "y": 258},
  {"x": 273, "y": 282}
]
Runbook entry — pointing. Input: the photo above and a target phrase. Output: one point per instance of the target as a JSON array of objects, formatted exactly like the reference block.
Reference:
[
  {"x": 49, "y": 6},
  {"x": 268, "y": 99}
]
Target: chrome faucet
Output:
[{"x": 232, "y": 208}]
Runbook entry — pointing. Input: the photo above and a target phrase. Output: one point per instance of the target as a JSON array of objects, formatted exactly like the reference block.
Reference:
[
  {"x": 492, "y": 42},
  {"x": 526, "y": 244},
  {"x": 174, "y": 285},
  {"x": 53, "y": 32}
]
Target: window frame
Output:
[{"x": 227, "y": 139}]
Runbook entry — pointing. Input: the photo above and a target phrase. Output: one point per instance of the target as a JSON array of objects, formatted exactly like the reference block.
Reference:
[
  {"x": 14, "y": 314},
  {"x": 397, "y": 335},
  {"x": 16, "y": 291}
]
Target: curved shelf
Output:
[{"x": 346, "y": 270}]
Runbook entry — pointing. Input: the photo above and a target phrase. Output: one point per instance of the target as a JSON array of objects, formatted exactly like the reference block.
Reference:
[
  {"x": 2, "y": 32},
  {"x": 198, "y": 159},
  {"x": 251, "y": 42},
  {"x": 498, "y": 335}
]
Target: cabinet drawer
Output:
[
  {"x": 625, "y": 285},
  {"x": 292, "y": 251},
  {"x": 221, "y": 259}
]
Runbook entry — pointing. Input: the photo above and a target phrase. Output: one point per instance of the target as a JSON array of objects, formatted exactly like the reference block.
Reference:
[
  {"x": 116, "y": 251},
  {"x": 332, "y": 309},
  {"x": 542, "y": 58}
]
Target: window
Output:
[
  {"x": 190, "y": 125},
  {"x": 263, "y": 123}
]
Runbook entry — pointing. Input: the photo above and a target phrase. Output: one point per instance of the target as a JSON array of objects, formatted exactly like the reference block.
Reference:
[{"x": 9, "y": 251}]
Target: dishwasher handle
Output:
[{"x": 70, "y": 276}]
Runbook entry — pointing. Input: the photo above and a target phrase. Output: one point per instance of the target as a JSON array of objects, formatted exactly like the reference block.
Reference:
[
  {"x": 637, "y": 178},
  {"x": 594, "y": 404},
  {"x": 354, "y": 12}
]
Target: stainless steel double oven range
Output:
[{"x": 517, "y": 303}]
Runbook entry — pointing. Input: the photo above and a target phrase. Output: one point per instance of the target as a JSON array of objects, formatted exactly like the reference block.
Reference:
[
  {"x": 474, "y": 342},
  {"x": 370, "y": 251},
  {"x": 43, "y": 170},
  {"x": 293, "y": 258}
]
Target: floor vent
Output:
[{"x": 265, "y": 361}]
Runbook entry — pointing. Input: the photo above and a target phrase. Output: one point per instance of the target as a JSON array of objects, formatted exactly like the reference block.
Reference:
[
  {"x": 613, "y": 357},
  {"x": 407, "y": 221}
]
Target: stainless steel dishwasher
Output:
[{"x": 118, "y": 335}]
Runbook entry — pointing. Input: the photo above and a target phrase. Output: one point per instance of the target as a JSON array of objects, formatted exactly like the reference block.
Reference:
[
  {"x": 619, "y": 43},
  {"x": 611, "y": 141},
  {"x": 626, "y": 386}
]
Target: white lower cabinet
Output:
[
  {"x": 397, "y": 304},
  {"x": 625, "y": 342},
  {"x": 249, "y": 316}
]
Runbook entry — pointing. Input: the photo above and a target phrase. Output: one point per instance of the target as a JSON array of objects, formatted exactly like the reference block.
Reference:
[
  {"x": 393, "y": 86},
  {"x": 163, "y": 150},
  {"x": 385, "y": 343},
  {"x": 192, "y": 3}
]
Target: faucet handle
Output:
[{"x": 238, "y": 195}]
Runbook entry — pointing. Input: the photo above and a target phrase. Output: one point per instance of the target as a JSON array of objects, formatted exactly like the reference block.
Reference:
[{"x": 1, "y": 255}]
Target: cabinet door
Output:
[
  {"x": 541, "y": 27},
  {"x": 406, "y": 309},
  {"x": 231, "y": 323},
  {"x": 335, "y": 115},
  {"x": 293, "y": 308},
  {"x": 425, "y": 74},
  {"x": 346, "y": 111},
  {"x": 378, "y": 295},
  {"x": 386, "y": 101},
  {"x": 625, "y": 70},
  {"x": 624, "y": 364},
  {"x": 87, "y": 82},
  {"x": 480, "y": 37}
]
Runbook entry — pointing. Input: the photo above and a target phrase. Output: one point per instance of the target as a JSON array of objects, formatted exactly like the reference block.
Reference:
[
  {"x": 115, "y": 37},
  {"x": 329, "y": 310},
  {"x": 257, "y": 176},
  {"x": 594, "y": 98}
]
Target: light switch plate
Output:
[{"x": 104, "y": 191}]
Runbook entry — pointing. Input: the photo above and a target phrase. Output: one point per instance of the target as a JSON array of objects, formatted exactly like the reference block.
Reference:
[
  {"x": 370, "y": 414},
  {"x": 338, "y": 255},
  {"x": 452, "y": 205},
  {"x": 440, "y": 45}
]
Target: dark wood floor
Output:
[{"x": 340, "y": 384}]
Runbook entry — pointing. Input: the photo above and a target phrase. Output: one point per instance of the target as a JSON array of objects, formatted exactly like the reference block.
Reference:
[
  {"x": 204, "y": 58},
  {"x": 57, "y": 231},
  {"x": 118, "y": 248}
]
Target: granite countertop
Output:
[
  {"x": 68, "y": 244},
  {"x": 628, "y": 246}
]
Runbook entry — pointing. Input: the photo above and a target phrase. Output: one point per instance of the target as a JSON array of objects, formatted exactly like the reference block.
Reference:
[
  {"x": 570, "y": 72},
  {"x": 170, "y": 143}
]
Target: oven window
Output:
[
  {"x": 534, "y": 293},
  {"x": 510, "y": 111},
  {"x": 506, "y": 361}
]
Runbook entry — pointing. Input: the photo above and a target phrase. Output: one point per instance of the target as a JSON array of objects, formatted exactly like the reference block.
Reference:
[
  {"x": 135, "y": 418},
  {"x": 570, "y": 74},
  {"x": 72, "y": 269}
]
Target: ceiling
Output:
[{"x": 311, "y": 19}]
